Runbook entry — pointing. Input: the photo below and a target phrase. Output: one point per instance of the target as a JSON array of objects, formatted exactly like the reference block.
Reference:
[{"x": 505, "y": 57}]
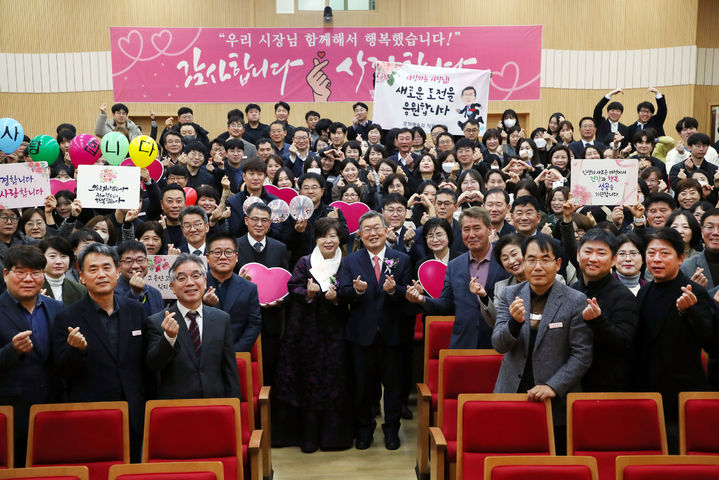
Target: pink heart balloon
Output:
[
  {"x": 57, "y": 185},
  {"x": 284, "y": 193},
  {"x": 352, "y": 213},
  {"x": 155, "y": 169},
  {"x": 431, "y": 277},
  {"x": 271, "y": 282}
]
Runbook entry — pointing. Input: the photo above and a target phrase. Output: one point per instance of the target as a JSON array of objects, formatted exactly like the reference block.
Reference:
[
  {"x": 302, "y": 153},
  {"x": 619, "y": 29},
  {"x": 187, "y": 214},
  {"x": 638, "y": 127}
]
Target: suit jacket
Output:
[
  {"x": 243, "y": 306},
  {"x": 562, "y": 353},
  {"x": 690, "y": 265},
  {"x": 179, "y": 372},
  {"x": 578, "y": 147},
  {"x": 469, "y": 329},
  {"x": 100, "y": 374},
  {"x": 375, "y": 311},
  {"x": 29, "y": 378},
  {"x": 604, "y": 126},
  {"x": 72, "y": 291},
  {"x": 656, "y": 122}
]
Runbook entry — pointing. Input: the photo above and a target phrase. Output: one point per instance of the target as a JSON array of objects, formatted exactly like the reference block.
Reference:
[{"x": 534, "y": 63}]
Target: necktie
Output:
[
  {"x": 195, "y": 333},
  {"x": 258, "y": 247},
  {"x": 197, "y": 252},
  {"x": 376, "y": 267}
]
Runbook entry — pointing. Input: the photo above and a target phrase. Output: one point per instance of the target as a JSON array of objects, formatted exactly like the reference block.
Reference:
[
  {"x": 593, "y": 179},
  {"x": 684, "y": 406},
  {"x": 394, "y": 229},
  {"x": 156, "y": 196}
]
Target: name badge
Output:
[
  {"x": 137, "y": 333},
  {"x": 556, "y": 325}
]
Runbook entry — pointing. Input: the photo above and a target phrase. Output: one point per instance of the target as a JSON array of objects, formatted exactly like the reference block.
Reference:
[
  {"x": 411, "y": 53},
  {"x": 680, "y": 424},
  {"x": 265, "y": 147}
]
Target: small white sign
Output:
[
  {"x": 24, "y": 184},
  {"x": 106, "y": 186}
]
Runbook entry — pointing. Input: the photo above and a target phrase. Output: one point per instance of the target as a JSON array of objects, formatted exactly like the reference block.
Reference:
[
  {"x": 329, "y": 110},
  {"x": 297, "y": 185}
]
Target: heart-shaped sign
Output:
[
  {"x": 285, "y": 193},
  {"x": 431, "y": 277},
  {"x": 57, "y": 185},
  {"x": 352, "y": 213},
  {"x": 271, "y": 282}
]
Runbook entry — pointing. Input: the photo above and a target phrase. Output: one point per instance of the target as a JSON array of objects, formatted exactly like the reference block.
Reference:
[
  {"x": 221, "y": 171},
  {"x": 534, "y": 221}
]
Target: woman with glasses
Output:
[
  {"x": 471, "y": 185},
  {"x": 438, "y": 237},
  {"x": 630, "y": 261},
  {"x": 59, "y": 256},
  {"x": 311, "y": 404},
  {"x": 34, "y": 223},
  {"x": 9, "y": 235}
]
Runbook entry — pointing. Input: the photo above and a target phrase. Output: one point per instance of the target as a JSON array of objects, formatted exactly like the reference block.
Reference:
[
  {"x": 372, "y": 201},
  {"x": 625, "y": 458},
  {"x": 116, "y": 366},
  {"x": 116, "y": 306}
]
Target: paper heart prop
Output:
[
  {"x": 155, "y": 169},
  {"x": 57, "y": 185},
  {"x": 285, "y": 193},
  {"x": 352, "y": 213},
  {"x": 271, "y": 282},
  {"x": 431, "y": 277}
]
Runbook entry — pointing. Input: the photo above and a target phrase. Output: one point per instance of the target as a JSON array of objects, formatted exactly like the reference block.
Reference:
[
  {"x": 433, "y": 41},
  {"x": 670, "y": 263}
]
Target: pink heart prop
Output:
[
  {"x": 271, "y": 282},
  {"x": 431, "y": 277},
  {"x": 57, "y": 185},
  {"x": 155, "y": 168},
  {"x": 284, "y": 193},
  {"x": 352, "y": 213}
]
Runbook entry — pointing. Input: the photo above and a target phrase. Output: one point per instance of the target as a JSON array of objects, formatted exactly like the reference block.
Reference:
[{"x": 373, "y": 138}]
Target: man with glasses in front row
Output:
[
  {"x": 133, "y": 270},
  {"x": 194, "y": 224}
]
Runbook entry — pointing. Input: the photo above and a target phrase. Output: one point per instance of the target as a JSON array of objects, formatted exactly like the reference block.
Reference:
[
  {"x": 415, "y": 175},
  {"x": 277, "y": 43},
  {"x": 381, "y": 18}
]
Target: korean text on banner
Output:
[
  {"x": 605, "y": 181},
  {"x": 24, "y": 184},
  {"x": 104, "y": 186},
  {"x": 415, "y": 96}
]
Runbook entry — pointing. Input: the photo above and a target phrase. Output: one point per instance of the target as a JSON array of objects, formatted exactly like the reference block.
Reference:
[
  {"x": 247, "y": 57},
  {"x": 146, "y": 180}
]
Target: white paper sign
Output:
[
  {"x": 105, "y": 186},
  {"x": 605, "y": 181},
  {"x": 24, "y": 184},
  {"x": 158, "y": 273},
  {"x": 420, "y": 96}
]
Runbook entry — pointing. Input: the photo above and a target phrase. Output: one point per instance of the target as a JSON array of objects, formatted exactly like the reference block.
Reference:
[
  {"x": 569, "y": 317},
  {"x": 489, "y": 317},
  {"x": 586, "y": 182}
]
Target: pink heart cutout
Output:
[
  {"x": 57, "y": 185},
  {"x": 352, "y": 213},
  {"x": 284, "y": 193},
  {"x": 271, "y": 282},
  {"x": 431, "y": 277},
  {"x": 155, "y": 169}
]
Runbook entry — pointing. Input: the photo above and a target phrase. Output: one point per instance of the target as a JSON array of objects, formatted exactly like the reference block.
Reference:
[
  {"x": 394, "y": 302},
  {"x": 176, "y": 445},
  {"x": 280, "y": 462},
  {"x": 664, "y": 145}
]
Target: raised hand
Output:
[
  {"x": 137, "y": 283},
  {"x": 415, "y": 293},
  {"x": 686, "y": 300},
  {"x": 210, "y": 297},
  {"x": 476, "y": 288},
  {"x": 312, "y": 289},
  {"x": 592, "y": 310},
  {"x": 359, "y": 285},
  {"x": 169, "y": 324},
  {"x": 76, "y": 339},
  {"x": 21, "y": 342},
  {"x": 699, "y": 277},
  {"x": 516, "y": 309},
  {"x": 389, "y": 284}
]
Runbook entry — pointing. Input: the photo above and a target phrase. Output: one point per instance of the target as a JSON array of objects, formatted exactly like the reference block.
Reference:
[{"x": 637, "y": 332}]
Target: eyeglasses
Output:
[
  {"x": 235, "y": 125},
  {"x": 436, "y": 236},
  {"x": 36, "y": 223},
  {"x": 8, "y": 218},
  {"x": 229, "y": 253},
  {"x": 196, "y": 225},
  {"x": 444, "y": 204},
  {"x": 310, "y": 188},
  {"x": 21, "y": 274},
  {"x": 195, "y": 155},
  {"x": 468, "y": 183},
  {"x": 375, "y": 229},
  {"x": 195, "y": 276},
  {"x": 129, "y": 261},
  {"x": 709, "y": 227},
  {"x": 545, "y": 262},
  {"x": 630, "y": 253},
  {"x": 395, "y": 211},
  {"x": 262, "y": 220}
]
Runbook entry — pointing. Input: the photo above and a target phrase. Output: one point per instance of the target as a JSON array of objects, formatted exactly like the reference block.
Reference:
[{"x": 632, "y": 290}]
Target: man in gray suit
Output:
[
  {"x": 190, "y": 345},
  {"x": 540, "y": 329},
  {"x": 703, "y": 268}
]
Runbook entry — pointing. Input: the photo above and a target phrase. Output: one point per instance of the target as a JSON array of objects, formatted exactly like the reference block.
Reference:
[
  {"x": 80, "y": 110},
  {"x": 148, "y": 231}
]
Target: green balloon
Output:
[
  {"x": 114, "y": 147},
  {"x": 44, "y": 148}
]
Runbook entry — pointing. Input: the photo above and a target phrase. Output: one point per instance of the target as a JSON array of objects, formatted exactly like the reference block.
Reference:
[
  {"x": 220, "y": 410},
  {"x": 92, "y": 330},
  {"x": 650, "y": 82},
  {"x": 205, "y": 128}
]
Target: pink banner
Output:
[{"x": 206, "y": 65}]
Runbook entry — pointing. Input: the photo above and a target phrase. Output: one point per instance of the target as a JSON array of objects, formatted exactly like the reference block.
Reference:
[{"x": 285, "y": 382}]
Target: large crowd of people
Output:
[{"x": 577, "y": 297}]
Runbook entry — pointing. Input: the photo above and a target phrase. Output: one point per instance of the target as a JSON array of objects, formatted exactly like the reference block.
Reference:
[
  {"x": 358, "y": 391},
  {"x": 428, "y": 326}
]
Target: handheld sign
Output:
[
  {"x": 24, "y": 184},
  {"x": 431, "y": 277},
  {"x": 605, "y": 181},
  {"x": 271, "y": 282},
  {"x": 352, "y": 213},
  {"x": 105, "y": 186}
]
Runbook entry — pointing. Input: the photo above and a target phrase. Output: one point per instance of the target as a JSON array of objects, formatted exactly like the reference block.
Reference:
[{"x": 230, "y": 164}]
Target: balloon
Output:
[
  {"x": 84, "y": 150},
  {"x": 44, "y": 148},
  {"x": 280, "y": 210},
  {"x": 155, "y": 169},
  {"x": 301, "y": 208},
  {"x": 190, "y": 196},
  {"x": 143, "y": 150},
  {"x": 114, "y": 147},
  {"x": 431, "y": 277},
  {"x": 11, "y": 135}
]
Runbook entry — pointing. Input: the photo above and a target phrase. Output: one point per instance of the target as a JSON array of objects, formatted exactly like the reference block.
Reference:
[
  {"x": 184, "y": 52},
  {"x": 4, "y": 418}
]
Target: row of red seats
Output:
[{"x": 138, "y": 471}]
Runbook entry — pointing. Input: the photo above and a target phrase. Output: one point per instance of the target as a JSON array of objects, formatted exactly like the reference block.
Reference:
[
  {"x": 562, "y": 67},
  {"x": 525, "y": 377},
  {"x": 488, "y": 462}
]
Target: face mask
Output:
[
  {"x": 188, "y": 138},
  {"x": 448, "y": 166},
  {"x": 510, "y": 122},
  {"x": 540, "y": 143},
  {"x": 314, "y": 170},
  {"x": 526, "y": 154},
  {"x": 105, "y": 236}
]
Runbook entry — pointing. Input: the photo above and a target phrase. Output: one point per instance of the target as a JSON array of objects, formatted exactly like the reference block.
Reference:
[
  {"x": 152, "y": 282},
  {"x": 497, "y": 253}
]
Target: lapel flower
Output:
[
  {"x": 334, "y": 281},
  {"x": 391, "y": 263}
]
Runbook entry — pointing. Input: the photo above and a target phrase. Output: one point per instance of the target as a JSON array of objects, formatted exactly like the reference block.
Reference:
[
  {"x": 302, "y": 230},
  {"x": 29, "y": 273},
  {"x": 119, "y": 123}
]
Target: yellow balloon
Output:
[{"x": 143, "y": 150}]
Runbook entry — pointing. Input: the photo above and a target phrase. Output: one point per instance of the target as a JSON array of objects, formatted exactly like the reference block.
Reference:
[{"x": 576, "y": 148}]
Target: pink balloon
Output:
[
  {"x": 156, "y": 169},
  {"x": 271, "y": 282},
  {"x": 352, "y": 213},
  {"x": 84, "y": 150},
  {"x": 431, "y": 277},
  {"x": 190, "y": 196},
  {"x": 284, "y": 193},
  {"x": 57, "y": 185}
]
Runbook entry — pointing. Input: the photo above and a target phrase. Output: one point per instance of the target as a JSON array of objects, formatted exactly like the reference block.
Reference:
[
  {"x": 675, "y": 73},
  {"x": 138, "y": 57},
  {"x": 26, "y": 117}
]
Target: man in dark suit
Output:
[
  {"x": 254, "y": 173},
  {"x": 587, "y": 131},
  {"x": 404, "y": 156},
  {"x": 299, "y": 152},
  {"x": 133, "y": 269},
  {"x": 190, "y": 345},
  {"x": 195, "y": 225},
  {"x": 257, "y": 247},
  {"x": 647, "y": 118},
  {"x": 477, "y": 265},
  {"x": 235, "y": 295},
  {"x": 99, "y": 342},
  {"x": 373, "y": 282},
  {"x": 26, "y": 319},
  {"x": 607, "y": 128},
  {"x": 399, "y": 236}
]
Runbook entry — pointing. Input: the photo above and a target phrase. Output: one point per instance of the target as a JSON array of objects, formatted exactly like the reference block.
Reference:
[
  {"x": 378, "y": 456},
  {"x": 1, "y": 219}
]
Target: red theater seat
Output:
[
  {"x": 168, "y": 471},
  {"x": 540, "y": 468},
  {"x": 699, "y": 423},
  {"x": 261, "y": 406},
  {"x": 75, "y": 472},
  {"x": 7, "y": 452},
  {"x": 606, "y": 425},
  {"x": 94, "y": 434},
  {"x": 667, "y": 467}
]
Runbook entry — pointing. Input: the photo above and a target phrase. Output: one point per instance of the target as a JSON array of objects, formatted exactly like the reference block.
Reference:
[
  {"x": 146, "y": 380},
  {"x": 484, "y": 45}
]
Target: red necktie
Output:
[
  {"x": 195, "y": 333},
  {"x": 376, "y": 267}
]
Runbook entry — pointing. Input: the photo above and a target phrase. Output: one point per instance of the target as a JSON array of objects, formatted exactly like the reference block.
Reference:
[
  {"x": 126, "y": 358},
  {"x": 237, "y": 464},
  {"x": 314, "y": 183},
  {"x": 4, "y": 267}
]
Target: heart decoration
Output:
[
  {"x": 155, "y": 169},
  {"x": 352, "y": 213},
  {"x": 285, "y": 193},
  {"x": 431, "y": 277},
  {"x": 57, "y": 185},
  {"x": 164, "y": 36},
  {"x": 271, "y": 282},
  {"x": 321, "y": 54}
]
